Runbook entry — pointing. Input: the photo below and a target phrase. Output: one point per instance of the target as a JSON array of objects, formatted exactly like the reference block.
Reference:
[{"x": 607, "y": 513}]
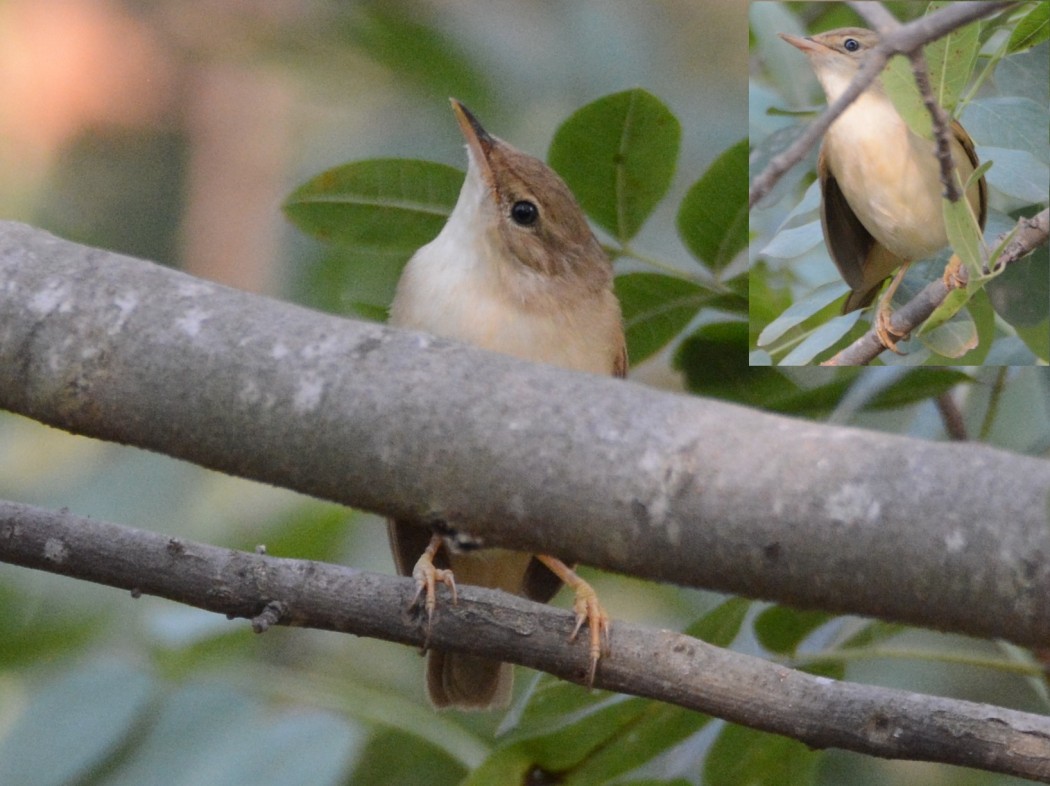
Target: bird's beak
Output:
[
  {"x": 479, "y": 141},
  {"x": 807, "y": 45}
]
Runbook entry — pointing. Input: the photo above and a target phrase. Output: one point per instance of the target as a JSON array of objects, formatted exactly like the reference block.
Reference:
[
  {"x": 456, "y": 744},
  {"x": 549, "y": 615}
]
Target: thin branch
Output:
[
  {"x": 529, "y": 457},
  {"x": 660, "y": 665},
  {"x": 951, "y": 417},
  {"x": 952, "y": 192},
  {"x": 1031, "y": 233}
]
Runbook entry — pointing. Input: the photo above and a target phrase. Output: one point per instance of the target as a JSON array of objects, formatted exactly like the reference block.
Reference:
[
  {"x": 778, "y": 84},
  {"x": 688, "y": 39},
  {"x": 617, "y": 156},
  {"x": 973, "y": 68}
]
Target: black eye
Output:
[
  {"x": 524, "y": 213},
  {"x": 851, "y": 44}
]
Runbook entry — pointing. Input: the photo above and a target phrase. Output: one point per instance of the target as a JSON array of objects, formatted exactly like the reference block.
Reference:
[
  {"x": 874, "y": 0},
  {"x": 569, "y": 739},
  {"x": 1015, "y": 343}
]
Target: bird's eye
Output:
[
  {"x": 524, "y": 213},
  {"x": 851, "y": 44}
]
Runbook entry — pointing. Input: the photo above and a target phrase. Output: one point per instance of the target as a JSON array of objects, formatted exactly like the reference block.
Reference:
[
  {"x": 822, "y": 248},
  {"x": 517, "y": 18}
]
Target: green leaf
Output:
[
  {"x": 918, "y": 385},
  {"x": 713, "y": 218},
  {"x": 899, "y": 82},
  {"x": 656, "y": 308},
  {"x": 1032, "y": 30},
  {"x": 380, "y": 206},
  {"x": 553, "y": 712},
  {"x": 384, "y": 763},
  {"x": 744, "y": 756},
  {"x": 714, "y": 361},
  {"x": 618, "y": 155},
  {"x": 950, "y": 60},
  {"x": 44, "y": 634},
  {"x": 965, "y": 234},
  {"x": 721, "y": 625},
  {"x": 611, "y": 735},
  {"x": 874, "y": 632},
  {"x": 314, "y": 531},
  {"x": 945, "y": 311},
  {"x": 711, "y": 368},
  {"x": 1020, "y": 293},
  {"x": 954, "y": 338},
  {"x": 345, "y": 280},
  {"x": 660, "y": 728},
  {"x": 802, "y": 309},
  {"x": 780, "y": 629}
]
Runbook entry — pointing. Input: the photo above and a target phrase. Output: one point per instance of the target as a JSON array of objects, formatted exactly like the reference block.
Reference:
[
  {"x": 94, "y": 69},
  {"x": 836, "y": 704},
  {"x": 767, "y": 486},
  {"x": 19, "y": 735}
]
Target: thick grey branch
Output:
[
  {"x": 596, "y": 470},
  {"x": 657, "y": 664}
]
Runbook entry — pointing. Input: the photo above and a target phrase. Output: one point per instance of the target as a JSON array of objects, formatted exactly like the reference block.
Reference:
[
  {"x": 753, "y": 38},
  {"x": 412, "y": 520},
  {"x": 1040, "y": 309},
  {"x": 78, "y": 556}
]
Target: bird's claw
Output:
[
  {"x": 954, "y": 276},
  {"x": 427, "y": 576},
  {"x": 589, "y": 610},
  {"x": 883, "y": 330}
]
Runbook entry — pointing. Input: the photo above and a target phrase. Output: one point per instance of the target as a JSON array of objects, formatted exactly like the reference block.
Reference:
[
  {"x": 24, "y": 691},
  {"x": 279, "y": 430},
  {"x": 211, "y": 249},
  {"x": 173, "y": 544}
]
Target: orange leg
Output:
[
  {"x": 587, "y": 609},
  {"x": 884, "y": 312},
  {"x": 427, "y": 577}
]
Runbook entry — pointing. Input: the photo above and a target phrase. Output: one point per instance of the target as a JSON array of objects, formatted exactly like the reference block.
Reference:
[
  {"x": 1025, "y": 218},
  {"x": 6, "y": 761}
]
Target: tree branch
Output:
[
  {"x": 1030, "y": 234},
  {"x": 661, "y": 665},
  {"x": 529, "y": 457}
]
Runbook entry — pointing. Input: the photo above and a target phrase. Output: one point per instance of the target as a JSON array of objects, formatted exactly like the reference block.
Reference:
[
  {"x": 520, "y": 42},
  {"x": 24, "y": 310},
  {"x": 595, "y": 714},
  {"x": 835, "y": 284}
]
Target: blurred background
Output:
[{"x": 173, "y": 131}]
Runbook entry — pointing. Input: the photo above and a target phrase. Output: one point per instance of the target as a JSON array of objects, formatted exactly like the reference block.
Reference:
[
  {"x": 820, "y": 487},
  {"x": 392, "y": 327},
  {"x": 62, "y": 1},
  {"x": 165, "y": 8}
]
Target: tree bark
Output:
[
  {"x": 662, "y": 665},
  {"x": 502, "y": 452}
]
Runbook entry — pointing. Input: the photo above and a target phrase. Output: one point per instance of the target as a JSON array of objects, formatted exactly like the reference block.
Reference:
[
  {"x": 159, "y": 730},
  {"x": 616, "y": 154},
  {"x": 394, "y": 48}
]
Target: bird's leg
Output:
[
  {"x": 587, "y": 609},
  {"x": 427, "y": 576},
  {"x": 884, "y": 311}
]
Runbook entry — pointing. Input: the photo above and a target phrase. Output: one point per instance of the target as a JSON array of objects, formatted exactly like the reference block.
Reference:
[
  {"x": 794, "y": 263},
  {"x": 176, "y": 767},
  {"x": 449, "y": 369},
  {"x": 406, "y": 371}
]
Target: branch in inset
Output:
[{"x": 1030, "y": 234}]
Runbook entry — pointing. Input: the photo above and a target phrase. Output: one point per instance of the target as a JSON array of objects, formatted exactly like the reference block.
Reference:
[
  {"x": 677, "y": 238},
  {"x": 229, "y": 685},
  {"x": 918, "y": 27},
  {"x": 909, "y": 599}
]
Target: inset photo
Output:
[{"x": 911, "y": 229}]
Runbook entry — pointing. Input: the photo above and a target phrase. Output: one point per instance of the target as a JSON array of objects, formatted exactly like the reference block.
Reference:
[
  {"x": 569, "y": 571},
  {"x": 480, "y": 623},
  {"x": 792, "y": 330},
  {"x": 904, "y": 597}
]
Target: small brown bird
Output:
[
  {"x": 516, "y": 269},
  {"x": 879, "y": 181}
]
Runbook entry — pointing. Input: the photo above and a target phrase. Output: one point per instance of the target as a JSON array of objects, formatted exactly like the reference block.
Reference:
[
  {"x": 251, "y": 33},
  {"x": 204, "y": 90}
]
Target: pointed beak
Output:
[
  {"x": 805, "y": 44},
  {"x": 479, "y": 141}
]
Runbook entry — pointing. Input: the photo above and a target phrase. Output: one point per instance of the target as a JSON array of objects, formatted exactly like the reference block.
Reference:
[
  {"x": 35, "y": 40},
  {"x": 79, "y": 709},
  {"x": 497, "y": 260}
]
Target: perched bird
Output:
[
  {"x": 880, "y": 182},
  {"x": 516, "y": 269}
]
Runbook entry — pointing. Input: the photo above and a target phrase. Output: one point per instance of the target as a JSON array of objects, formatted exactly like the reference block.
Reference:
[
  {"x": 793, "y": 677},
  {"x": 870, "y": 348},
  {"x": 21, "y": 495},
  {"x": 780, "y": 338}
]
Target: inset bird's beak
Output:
[{"x": 805, "y": 44}]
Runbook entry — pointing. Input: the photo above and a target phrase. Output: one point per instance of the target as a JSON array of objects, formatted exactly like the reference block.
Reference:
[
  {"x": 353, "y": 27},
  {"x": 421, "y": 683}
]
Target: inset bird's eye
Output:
[
  {"x": 524, "y": 213},
  {"x": 851, "y": 44}
]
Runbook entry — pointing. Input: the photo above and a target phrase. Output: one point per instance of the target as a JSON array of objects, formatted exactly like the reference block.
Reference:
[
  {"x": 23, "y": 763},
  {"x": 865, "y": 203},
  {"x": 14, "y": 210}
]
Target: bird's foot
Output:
[
  {"x": 954, "y": 277},
  {"x": 887, "y": 337},
  {"x": 427, "y": 576},
  {"x": 588, "y": 610}
]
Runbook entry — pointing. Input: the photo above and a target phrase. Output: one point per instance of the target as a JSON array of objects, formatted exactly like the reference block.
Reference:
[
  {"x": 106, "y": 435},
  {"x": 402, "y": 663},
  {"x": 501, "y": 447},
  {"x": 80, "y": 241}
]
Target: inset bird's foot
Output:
[
  {"x": 954, "y": 277},
  {"x": 884, "y": 331}
]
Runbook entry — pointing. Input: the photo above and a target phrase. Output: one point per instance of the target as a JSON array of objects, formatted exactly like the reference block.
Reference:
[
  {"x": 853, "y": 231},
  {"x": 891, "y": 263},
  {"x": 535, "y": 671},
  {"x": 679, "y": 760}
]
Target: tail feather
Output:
[
  {"x": 468, "y": 682},
  {"x": 857, "y": 299}
]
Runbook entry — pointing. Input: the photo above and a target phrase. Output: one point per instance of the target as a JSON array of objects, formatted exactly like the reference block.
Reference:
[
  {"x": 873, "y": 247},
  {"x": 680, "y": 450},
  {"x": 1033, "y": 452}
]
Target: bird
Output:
[
  {"x": 880, "y": 182},
  {"x": 516, "y": 269}
]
